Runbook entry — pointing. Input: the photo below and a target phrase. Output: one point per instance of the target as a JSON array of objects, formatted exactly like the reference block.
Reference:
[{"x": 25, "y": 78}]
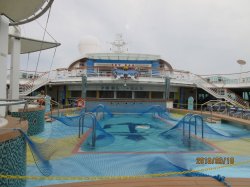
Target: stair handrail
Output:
[
  {"x": 239, "y": 99},
  {"x": 29, "y": 85},
  {"x": 33, "y": 79},
  {"x": 215, "y": 90}
]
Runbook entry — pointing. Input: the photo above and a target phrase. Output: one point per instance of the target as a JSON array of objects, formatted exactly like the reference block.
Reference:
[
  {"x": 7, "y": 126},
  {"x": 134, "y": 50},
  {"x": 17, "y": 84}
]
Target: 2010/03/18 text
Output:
[{"x": 215, "y": 160}]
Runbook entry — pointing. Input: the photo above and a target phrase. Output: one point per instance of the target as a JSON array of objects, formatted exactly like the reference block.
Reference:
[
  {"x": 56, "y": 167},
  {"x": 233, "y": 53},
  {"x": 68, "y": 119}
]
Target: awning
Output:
[
  {"x": 29, "y": 45},
  {"x": 19, "y": 10}
]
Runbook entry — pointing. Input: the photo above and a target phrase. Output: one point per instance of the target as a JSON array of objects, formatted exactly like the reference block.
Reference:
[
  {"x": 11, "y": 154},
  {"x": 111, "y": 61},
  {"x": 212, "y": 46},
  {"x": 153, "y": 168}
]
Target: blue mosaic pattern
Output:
[
  {"x": 13, "y": 161},
  {"x": 35, "y": 120}
]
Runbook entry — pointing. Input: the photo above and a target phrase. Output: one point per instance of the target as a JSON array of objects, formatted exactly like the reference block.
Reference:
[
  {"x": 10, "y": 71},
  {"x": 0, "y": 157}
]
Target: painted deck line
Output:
[
  {"x": 161, "y": 182},
  {"x": 217, "y": 149},
  {"x": 82, "y": 139}
]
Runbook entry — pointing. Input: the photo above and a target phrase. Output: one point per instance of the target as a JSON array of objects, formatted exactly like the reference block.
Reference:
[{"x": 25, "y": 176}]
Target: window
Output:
[
  {"x": 91, "y": 94},
  {"x": 142, "y": 95},
  {"x": 82, "y": 64},
  {"x": 157, "y": 95},
  {"x": 124, "y": 94},
  {"x": 106, "y": 94},
  {"x": 171, "y": 95},
  {"x": 76, "y": 93}
]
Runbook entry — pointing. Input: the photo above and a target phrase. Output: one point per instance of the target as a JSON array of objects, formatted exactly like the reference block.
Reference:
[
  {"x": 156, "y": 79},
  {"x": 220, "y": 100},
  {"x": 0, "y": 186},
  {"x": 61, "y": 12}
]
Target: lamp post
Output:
[{"x": 241, "y": 63}]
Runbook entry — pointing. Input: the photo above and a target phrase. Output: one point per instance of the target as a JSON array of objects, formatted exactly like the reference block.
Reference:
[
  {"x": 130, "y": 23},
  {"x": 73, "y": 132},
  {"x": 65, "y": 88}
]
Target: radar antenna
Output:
[{"x": 118, "y": 45}]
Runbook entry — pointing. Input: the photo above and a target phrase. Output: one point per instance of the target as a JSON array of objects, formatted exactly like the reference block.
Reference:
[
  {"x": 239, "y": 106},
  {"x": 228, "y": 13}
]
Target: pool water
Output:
[{"x": 142, "y": 134}]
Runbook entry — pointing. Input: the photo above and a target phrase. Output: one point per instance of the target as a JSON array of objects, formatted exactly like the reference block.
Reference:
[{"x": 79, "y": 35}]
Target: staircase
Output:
[
  {"x": 218, "y": 92},
  {"x": 34, "y": 84}
]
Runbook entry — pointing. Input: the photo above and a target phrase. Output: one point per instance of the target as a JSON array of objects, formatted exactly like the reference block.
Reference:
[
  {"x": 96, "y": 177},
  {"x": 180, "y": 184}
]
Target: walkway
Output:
[
  {"x": 214, "y": 114},
  {"x": 161, "y": 182}
]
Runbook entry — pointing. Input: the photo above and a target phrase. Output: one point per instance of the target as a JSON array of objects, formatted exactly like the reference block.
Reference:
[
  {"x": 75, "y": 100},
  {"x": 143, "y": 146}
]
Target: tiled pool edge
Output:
[{"x": 13, "y": 161}]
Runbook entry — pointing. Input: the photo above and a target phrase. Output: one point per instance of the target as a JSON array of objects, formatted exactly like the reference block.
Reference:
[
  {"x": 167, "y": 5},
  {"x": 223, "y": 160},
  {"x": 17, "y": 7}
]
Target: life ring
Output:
[
  {"x": 41, "y": 101},
  {"x": 80, "y": 102}
]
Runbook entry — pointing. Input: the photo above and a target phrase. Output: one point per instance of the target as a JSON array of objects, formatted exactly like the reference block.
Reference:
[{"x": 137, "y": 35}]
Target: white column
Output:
[
  {"x": 133, "y": 95},
  {"x": 4, "y": 28},
  {"x": 15, "y": 50}
]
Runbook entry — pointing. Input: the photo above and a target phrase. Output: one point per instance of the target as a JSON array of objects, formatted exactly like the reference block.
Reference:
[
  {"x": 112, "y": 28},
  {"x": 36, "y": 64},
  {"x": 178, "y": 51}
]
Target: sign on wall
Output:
[{"x": 190, "y": 103}]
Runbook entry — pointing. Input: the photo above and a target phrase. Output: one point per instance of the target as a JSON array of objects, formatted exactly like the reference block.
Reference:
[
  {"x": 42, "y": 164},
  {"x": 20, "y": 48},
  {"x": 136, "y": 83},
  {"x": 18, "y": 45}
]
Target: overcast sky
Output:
[{"x": 201, "y": 36}]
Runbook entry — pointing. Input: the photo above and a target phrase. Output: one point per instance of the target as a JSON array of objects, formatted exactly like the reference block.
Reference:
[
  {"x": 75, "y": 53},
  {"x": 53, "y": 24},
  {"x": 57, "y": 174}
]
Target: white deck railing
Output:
[
  {"x": 208, "y": 83},
  {"x": 32, "y": 84}
]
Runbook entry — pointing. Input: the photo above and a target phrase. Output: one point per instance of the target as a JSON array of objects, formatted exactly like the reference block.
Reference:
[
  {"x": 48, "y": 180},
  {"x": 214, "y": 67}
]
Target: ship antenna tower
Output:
[{"x": 118, "y": 45}]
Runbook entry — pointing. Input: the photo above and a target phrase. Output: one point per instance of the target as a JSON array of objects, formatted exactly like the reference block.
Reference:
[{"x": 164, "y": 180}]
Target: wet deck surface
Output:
[{"x": 166, "y": 182}]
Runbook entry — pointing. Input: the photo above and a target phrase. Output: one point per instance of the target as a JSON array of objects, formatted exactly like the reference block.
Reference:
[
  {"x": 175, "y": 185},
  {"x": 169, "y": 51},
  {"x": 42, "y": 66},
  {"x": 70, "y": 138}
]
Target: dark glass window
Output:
[
  {"x": 91, "y": 94},
  {"x": 171, "y": 95},
  {"x": 141, "y": 95},
  {"x": 124, "y": 95},
  {"x": 82, "y": 64},
  {"x": 106, "y": 94},
  {"x": 157, "y": 95},
  {"x": 76, "y": 93}
]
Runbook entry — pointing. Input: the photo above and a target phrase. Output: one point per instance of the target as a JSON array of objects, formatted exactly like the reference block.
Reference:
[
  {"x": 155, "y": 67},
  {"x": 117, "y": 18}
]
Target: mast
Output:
[{"x": 118, "y": 45}]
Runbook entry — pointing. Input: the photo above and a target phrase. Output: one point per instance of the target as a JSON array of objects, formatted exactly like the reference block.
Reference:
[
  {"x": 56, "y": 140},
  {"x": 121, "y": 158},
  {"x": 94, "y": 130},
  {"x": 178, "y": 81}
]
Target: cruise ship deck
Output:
[
  {"x": 118, "y": 118},
  {"x": 166, "y": 182}
]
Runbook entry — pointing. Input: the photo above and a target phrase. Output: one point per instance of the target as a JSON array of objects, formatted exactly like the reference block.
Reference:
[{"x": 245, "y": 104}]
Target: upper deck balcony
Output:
[
  {"x": 232, "y": 80},
  {"x": 107, "y": 74},
  {"x": 101, "y": 74}
]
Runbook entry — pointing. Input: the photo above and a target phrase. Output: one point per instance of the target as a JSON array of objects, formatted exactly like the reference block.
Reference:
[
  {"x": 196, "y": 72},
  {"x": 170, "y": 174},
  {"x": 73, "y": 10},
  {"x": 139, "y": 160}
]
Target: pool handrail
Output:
[
  {"x": 195, "y": 116},
  {"x": 81, "y": 126},
  {"x": 102, "y": 107},
  {"x": 183, "y": 122},
  {"x": 56, "y": 103}
]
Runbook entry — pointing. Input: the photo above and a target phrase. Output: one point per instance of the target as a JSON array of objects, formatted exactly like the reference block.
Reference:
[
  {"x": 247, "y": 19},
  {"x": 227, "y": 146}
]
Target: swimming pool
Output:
[
  {"x": 141, "y": 134},
  {"x": 138, "y": 150}
]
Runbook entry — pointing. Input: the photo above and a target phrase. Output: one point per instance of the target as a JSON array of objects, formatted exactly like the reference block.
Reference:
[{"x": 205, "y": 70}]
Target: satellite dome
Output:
[
  {"x": 241, "y": 62},
  {"x": 89, "y": 44}
]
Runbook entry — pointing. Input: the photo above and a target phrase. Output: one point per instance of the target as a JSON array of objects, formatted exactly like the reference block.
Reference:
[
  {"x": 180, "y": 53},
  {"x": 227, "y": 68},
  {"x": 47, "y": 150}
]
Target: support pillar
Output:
[
  {"x": 84, "y": 87},
  {"x": 15, "y": 47},
  {"x": 196, "y": 99},
  {"x": 84, "y": 90},
  {"x": 133, "y": 95},
  {"x": 4, "y": 29},
  {"x": 167, "y": 88},
  {"x": 97, "y": 94},
  {"x": 181, "y": 97}
]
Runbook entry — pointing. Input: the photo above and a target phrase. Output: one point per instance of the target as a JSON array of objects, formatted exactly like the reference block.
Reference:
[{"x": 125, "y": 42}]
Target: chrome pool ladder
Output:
[
  {"x": 190, "y": 117},
  {"x": 81, "y": 126}
]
